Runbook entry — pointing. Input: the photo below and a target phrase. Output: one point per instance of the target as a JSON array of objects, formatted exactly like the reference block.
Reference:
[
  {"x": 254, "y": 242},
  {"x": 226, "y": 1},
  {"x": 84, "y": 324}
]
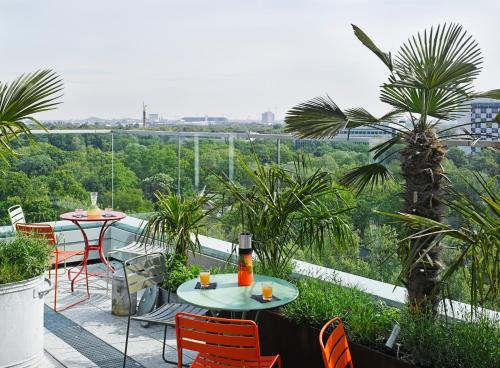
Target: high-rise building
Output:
[
  {"x": 267, "y": 117},
  {"x": 482, "y": 118}
]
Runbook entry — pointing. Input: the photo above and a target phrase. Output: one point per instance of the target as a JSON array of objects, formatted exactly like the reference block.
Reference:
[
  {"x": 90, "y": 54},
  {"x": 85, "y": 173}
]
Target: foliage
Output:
[
  {"x": 157, "y": 183},
  {"x": 20, "y": 100},
  {"x": 477, "y": 241},
  {"x": 286, "y": 211},
  {"x": 23, "y": 258},
  {"x": 430, "y": 81},
  {"x": 179, "y": 272},
  {"x": 177, "y": 222},
  {"x": 435, "y": 342},
  {"x": 367, "y": 321}
]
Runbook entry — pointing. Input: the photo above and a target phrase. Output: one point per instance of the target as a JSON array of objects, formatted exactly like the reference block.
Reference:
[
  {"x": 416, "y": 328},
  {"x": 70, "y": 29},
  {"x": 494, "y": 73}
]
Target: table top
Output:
[
  {"x": 229, "y": 296},
  {"x": 105, "y": 216}
]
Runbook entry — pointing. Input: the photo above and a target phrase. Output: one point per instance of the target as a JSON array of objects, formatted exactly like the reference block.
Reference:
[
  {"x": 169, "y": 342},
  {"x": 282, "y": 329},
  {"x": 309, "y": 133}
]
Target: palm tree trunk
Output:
[{"x": 423, "y": 173}]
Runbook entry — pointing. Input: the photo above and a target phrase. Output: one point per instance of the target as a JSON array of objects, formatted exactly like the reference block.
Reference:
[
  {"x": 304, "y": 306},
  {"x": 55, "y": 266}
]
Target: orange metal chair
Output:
[
  {"x": 335, "y": 349},
  {"x": 221, "y": 342},
  {"x": 59, "y": 256}
]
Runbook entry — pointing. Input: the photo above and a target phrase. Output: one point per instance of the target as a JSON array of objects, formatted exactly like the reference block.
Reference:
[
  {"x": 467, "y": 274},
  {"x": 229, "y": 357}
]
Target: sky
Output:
[{"x": 230, "y": 58}]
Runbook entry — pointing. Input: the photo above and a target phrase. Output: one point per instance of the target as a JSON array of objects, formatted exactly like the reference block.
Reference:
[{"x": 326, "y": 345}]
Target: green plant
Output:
[
  {"x": 19, "y": 100},
  {"x": 367, "y": 321},
  {"x": 430, "y": 82},
  {"x": 23, "y": 258},
  {"x": 476, "y": 242},
  {"x": 177, "y": 222},
  {"x": 435, "y": 342},
  {"x": 286, "y": 211},
  {"x": 179, "y": 272}
]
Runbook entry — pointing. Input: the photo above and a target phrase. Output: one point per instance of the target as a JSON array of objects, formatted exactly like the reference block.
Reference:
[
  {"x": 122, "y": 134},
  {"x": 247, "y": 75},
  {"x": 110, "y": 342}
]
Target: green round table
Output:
[{"x": 228, "y": 296}]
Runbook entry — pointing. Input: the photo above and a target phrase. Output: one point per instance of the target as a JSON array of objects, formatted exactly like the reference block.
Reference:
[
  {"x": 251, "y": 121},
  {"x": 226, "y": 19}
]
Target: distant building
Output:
[
  {"x": 368, "y": 132},
  {"x": 267, "y": 117},
  {"x": 204, "y": 120},
  {"x": 482, "y": 118},
  {"x": 153, "y": 118}
]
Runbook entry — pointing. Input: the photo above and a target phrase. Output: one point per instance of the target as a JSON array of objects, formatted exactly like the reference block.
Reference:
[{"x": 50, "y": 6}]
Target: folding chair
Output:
[
  {"x": 59, "y": 256},
  {"x": 335, "y": 349},
  {"x": 221, "y": 342},
  {"x": 135, "y": 249},
  {"x": 16, "y": 215},
  {"x": 142, "y": 272}
]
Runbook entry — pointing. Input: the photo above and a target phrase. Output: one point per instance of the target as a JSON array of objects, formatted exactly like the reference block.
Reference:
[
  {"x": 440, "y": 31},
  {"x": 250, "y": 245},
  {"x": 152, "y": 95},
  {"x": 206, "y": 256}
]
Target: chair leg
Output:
[
  {"x": 164, "y": 348},
  {"x": 126, "y": 342},
  {"x": 55, "y": 285}
]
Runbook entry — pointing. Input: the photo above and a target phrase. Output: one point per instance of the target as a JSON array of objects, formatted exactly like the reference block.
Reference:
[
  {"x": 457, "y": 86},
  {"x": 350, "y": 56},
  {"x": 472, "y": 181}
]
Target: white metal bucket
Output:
[{"x": 21, "y": 323}]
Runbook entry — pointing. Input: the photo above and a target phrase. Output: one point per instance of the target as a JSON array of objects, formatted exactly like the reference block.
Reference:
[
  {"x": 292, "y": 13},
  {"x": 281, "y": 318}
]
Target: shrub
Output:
[
  {"x": 367, "y": 320},
  {"x": 435, "y": 342},
  {"x": 178, "y": 272},
  {"x": 23, "y": 258}
]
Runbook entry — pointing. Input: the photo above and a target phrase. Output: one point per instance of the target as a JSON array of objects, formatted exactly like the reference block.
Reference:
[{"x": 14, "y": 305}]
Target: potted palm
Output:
[
  {"x": 430, "y": 82},
  {"x": 287, "y": 211},
  {"x": 175, "y": 225},
  {"x": 23, "y": 261}
]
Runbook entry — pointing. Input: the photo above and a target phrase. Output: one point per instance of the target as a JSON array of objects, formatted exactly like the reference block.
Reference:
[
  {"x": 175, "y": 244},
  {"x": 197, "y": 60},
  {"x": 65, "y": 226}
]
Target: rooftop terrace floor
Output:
[{"x": 88, "y": 335}]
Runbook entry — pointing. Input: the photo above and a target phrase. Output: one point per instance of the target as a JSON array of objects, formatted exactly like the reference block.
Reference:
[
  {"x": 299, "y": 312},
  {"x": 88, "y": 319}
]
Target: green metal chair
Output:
[{"x": 142, "y": 272}]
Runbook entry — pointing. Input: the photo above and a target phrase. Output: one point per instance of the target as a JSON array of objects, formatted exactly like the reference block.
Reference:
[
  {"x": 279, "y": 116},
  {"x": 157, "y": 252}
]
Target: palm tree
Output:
[
  {"x": 20, "y": 100},
  {"x": 430, "y": 82},
  {"x": 476, "y": 241},
  {"x": 288, "y": 211},
  {"x": 177, "y": 222}
]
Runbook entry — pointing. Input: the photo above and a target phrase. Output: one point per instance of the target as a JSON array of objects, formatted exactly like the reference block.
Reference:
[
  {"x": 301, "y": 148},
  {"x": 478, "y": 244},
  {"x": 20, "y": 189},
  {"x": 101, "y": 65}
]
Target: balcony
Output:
[{"x": 89, "y": 335}]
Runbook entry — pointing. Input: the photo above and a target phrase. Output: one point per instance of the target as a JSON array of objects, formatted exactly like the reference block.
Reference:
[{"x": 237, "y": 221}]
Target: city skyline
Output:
[{"x": 221, "y": 58}]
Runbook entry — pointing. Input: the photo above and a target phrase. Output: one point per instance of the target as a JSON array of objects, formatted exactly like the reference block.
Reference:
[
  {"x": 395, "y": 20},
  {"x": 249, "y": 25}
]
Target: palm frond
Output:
[
  {"x": 383, "y": 147},
  {"x": 433, "y": 73},
  {"x": 371, "y": 175},
  {"x": 494, "y": 93},
  {"x": 20, "y": 100},
  {"x": 478, "y": 238},
  {"x": 316, "y": 118},
  {"x": 365, "y": 40}
]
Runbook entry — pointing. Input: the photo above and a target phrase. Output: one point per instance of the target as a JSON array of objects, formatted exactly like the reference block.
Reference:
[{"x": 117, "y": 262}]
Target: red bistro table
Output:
[{"x": 107, "y": 219}]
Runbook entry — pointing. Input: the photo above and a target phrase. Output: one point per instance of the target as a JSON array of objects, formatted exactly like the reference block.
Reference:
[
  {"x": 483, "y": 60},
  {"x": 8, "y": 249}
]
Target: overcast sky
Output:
[{"x": 235, "y": 58}]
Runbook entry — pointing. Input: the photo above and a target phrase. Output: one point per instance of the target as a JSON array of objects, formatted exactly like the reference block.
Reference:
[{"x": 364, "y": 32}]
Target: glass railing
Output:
[{"x": 126, "y": 168}]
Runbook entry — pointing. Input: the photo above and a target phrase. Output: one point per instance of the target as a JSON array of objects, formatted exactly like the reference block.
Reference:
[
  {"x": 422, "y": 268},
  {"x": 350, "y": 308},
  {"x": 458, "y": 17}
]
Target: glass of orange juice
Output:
[
  {"x": 205, "y": 279},
  {"x": 267, "y": 291}
]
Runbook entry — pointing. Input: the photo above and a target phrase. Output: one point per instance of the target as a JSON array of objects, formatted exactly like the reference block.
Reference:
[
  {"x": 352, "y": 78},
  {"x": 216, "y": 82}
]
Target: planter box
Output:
[{"x": 299, "y": 347}]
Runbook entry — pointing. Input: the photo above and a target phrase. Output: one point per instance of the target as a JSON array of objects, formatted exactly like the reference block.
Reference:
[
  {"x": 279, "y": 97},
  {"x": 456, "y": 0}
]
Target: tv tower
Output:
[{"x": 143, "y": 115}]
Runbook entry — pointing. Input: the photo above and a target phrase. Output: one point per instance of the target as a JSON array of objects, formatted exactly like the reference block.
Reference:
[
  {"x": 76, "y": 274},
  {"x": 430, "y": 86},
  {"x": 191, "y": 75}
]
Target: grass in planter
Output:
[
  {"x": 441, "y": 343},
  {"x": 23, "y": 258},
  {"x": 367, "y": 320}
]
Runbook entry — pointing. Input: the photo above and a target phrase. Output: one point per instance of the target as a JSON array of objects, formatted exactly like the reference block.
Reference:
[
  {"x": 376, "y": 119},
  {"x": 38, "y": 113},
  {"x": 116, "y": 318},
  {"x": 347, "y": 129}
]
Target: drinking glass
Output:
[
  {"x": 108, "y": 210},
  {"x": 79, "y": 212},
  {"x": 205, "y": 279},
  {"x": 267, "y": 291}
]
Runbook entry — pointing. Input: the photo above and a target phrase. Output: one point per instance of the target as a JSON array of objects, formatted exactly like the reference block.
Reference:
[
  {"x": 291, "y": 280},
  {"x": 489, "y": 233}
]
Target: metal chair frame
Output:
[
  {"x": 221, "y": 342},
  {"x": 46, "y": 231},
  {"x": 16, "y": 215},
  {"x": 135, "y": 249},
  {"x": 335, "y": 350},
  {"x": 142, "y": 272}
]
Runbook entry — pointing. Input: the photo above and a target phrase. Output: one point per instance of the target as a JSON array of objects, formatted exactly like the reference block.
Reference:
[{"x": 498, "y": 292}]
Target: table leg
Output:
[
  {"x": 102, "y": 233},
  {"x": 84, "y": 262}
]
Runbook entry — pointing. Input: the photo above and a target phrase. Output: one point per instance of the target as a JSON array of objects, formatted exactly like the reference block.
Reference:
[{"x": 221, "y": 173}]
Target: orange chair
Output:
[
  {"x": 335, "y": 349},
  {"x": 221, "y": 342},
  {"x": 46, "y": 231}
]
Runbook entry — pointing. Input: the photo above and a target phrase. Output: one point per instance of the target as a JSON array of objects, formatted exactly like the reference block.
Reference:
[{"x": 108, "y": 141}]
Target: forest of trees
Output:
[{"x": 57, "y": 173}]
